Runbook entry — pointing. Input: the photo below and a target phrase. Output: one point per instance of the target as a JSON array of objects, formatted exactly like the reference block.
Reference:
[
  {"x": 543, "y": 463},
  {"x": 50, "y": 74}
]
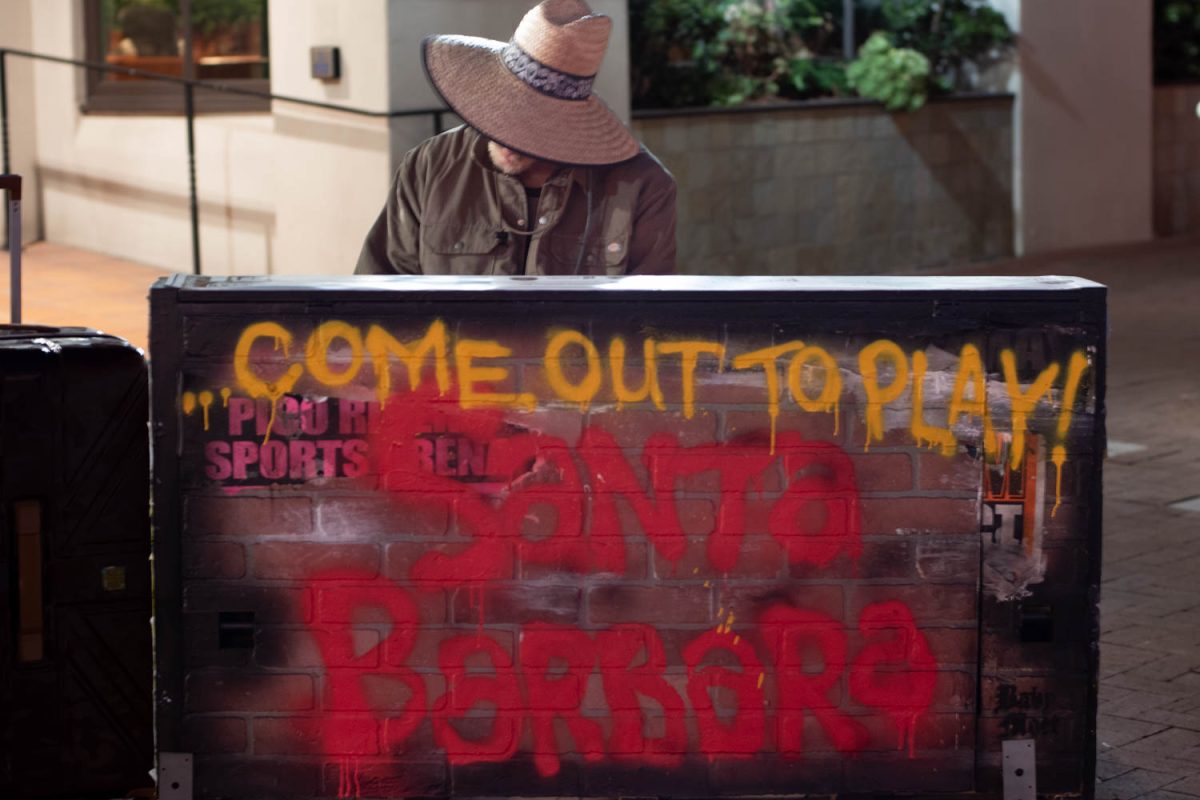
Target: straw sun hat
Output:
[{"x": 534, "y": 93}]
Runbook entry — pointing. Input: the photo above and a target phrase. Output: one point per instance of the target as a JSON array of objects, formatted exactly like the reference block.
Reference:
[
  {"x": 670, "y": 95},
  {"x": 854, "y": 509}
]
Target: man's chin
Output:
[{"x": 507, "y": 161}]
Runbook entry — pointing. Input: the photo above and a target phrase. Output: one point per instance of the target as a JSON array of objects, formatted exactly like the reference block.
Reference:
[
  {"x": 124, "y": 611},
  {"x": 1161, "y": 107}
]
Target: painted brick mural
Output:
[{"x": 733, "y": 537}]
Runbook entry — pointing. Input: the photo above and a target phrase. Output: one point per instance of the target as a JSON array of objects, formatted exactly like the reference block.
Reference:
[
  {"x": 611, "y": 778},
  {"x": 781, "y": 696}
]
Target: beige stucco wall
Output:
[
  {"x": 16, "y": 31},
  {"x": 291, "y": 191},
  {"x": 1176, "y": 160},
  {"x": 287, "y": 192},
  {"x": 1084, "y": 117}
]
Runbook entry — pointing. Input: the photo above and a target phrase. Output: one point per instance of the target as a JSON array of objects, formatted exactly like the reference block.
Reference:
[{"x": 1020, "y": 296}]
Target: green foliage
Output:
[
  {"x": 898, "y": 77},
  {"x": 208, "y": 16},
  {"x": 955, "y": 35},
  {"x": 664, "y": 38},
  {"x": 812, "y": 77},
  {"x": 725, "y": 52},
  {"x": 1176, "y": 40}
]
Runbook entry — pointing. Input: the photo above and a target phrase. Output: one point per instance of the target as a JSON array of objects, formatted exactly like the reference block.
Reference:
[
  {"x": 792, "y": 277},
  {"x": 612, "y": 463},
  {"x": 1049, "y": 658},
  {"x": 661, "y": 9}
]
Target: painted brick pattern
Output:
[{"x": 598, "y": 596}]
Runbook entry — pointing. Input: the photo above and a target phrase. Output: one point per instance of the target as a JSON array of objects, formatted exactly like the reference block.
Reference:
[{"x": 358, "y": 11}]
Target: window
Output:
[{"x": 219, "y": 40}]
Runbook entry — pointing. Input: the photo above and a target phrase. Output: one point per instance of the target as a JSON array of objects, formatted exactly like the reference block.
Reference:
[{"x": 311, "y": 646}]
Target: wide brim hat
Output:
[{"x": 533, "y": 94}]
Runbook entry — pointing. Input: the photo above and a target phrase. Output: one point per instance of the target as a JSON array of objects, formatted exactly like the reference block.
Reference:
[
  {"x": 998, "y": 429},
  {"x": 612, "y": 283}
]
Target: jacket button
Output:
[
  {"x": 521, "y": 222},
  {"x": 614, "y": 247},
  {"x": 458, "y": 246},
  {"x": 543, "y": 220}
]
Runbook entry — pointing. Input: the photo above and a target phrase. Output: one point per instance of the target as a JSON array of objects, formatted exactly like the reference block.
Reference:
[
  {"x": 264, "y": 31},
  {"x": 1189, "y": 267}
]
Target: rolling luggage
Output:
[{"x": 75, "y": 651}]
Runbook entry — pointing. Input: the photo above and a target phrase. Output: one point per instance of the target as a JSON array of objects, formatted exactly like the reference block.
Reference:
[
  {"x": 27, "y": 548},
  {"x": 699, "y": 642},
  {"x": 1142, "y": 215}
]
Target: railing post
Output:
[
  {"x": 848, "y": 29},
  {"x": 14, "y": 257},
  {"x": 189, "y": 102},
  {"x": 5, "y": 167}
]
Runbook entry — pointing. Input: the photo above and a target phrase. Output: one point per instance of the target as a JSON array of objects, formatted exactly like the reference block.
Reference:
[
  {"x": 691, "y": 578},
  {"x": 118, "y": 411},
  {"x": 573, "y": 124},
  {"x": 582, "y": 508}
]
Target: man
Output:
[{"x": 542, "y": 180}]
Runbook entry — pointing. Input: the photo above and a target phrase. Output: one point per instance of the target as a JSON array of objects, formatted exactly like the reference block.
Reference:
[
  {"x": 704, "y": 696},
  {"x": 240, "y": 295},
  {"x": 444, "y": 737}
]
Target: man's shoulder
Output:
[
  {"x": 645, "y": 168},
  {"x": 452, "y": 145}
]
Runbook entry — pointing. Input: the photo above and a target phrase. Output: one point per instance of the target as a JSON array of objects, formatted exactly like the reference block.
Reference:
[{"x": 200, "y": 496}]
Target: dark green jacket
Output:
[{"x": 450, "y": 212}]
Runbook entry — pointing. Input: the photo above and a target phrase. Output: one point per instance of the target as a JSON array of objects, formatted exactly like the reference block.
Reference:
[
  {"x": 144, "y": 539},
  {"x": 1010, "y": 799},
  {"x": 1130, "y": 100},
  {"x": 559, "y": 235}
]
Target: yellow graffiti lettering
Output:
[
  {"x": 649, "y": 388},
  {"x": 316, "y": 352},
  {"x": 831, "y": 390},
  {"x": 689, "y": 353},
  {"x": 925, "y": 434},
  {"x": 188, "y": 402},
  {"x": 878, "y": 396},
  {"x": 381, "y": 345},
  {"x": 256, "y": 385},
  {"x": 466, "y": 351},
  {"x": 582, "y": 392},
  {"x": 206, "y": 401},
  {"x": 970, "y": 375},
  {"x": 766, "y": 359},
  {"x": 1023, "y": 403},
  {"x": 1075, "y": 369},
  {"x": 226, "y": 393}
]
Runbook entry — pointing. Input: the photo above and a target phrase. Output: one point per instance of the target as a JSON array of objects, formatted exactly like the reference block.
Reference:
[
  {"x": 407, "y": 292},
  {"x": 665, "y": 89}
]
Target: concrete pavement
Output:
[{"x": 1149, "y": 741}]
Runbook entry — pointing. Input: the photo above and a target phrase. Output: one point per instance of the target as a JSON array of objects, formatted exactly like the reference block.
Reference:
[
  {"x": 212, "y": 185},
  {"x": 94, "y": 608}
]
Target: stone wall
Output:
[
  {"x": 1176, "y": 160},
  {"x": 839, "y": 189}
]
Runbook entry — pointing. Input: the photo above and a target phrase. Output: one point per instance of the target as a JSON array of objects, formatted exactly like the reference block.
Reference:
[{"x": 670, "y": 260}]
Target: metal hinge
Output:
[
  {"x": 1020, "y": 769},
  {"x": 174, "y": 776}
]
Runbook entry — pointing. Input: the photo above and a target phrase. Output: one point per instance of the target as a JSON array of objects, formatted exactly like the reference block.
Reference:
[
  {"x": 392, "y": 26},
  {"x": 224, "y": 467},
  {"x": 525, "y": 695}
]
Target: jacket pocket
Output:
[
  {"x": 614, "y": 250},
  {"x": 456, "y": 249},
  {"x": 603, "y": 256}
]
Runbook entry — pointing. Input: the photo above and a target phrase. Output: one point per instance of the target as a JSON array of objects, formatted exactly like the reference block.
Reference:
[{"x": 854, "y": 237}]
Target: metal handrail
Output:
[{"x": 189, "y": 86}]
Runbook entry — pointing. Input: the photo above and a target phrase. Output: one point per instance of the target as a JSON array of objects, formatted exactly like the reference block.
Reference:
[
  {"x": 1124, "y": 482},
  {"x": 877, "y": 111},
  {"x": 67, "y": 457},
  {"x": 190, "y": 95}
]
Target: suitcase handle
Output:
[{"x": 12, "y": 185}]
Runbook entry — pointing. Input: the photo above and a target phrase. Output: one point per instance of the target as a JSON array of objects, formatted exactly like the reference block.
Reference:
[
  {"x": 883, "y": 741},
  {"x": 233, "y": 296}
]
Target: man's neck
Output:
[{"x": 536, "y": 176}]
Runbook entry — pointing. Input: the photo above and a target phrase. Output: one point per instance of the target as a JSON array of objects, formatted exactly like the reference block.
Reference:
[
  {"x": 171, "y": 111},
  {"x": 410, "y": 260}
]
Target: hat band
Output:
[{"x": 547, "y": 80}]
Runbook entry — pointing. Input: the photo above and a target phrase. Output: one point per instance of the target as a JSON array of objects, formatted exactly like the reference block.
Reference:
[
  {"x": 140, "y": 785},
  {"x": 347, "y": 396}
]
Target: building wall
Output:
[
  {"x": 665, "y": 539},
  {"x": 1176, "y": 160},
  {"x": 17, "y": 32},
  {"x": 1085, "y": 123},
  {"x": 291, "y": 191},
  {"x": 839, "y": 190},
  {"x": 279, "y": 193}
]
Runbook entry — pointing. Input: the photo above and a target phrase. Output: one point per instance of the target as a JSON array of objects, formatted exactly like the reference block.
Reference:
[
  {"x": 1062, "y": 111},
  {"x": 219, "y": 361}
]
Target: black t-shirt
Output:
[{"x": 531, "y": 205}]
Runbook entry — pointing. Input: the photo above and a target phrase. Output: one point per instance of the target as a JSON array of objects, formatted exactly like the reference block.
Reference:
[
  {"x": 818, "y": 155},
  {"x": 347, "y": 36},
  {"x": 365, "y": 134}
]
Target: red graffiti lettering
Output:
[
  {"x": 815, "y": 520},
  {"x": 344, "y": 599},
  {"x": 555, "y": 662},
  {"x": 465, "y": 689},
  {"x": 895, "y": 672},
  {"x": 626, "y": 682},
  {"x": 793, "y": 636},
  {"x": 746, "y": 731},
  {"x": 520, "y": 498}
]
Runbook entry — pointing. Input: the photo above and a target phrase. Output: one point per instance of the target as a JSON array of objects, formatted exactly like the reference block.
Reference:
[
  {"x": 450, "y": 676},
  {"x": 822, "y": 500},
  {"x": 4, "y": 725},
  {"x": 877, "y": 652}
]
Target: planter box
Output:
[{"x": 839, "y": 187}]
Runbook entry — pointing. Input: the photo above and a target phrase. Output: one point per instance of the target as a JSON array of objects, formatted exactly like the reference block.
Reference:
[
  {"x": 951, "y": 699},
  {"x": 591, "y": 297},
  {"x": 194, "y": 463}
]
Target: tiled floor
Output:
[
  {"x": 1149, "y": 740},
  {"x": 1149, "y": 743},
  {"x": 65, "y": 286}
]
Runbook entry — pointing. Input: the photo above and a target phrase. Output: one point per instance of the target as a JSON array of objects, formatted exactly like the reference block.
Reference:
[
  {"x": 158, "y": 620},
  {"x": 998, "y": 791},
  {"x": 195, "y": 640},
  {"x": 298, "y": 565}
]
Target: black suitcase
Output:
[{"x": 75, "y": 651}]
